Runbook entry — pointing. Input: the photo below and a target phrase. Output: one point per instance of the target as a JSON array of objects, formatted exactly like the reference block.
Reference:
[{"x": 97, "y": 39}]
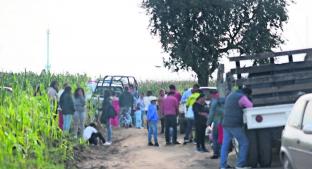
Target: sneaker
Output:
[
  {"x": 156, "y": 145},
  {"x": 204, "y": 150},
  {"x": 214, "y": 156},
  {"x": 107, "y": 143},
  {"x": 150, "y": 144},
  {"x": 168, "y": 143},
  {"x": 199, "y": 149},
  {"x": 176, "y": 142}
]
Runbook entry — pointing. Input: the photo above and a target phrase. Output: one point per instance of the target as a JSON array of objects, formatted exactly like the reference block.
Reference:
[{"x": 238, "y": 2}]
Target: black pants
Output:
[
  {"x": 171, "y": 121},
  {"x": 200, "y": 130},
  {"x": 94, "y": 136},
  {"x": 162, "y": 124}
]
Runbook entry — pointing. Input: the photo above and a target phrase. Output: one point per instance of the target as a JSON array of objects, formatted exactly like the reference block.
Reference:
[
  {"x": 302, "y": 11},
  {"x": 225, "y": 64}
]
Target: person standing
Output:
[
  {"x": 115, "y": 102},
  {"x": 233, "y": 126},
  {"x": 152, "y": 118},
  {"x": 61, "y": 118},
  {"x": 189, "y": 115},
  {"x": 53, "y": 97},
  {"x": 141, "y": 105},
  {"x": 160, "y": 100},
  {"x": 126, "y": 102},
  {"x": 106, "y": 114},
  {"x": 147, "y": 101},
  {"x": 138, "y": 117},
  {"x": 177, "y": 95},
  {"x": 80, "y": 110},
  {"x": 170, "y": 108},
  {"x": 200, "y": 114},
  {"x": 215, "y": 117},
  {"x": 67, "y": 106}
]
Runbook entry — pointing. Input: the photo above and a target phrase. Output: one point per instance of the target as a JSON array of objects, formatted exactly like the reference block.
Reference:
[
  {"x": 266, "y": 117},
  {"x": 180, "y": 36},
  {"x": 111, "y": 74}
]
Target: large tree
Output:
[{"x": 196, "y": 33}]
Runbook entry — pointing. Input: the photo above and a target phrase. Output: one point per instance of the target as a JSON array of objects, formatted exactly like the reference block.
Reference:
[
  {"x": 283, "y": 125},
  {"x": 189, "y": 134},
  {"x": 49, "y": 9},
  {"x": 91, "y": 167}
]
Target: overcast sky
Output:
[{"x": 101, "y": 37}]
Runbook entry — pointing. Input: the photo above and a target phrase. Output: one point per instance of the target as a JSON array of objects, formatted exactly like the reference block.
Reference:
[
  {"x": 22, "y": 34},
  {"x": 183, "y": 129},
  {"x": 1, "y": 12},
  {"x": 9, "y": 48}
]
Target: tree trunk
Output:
[{"x": 202, "y": 79}]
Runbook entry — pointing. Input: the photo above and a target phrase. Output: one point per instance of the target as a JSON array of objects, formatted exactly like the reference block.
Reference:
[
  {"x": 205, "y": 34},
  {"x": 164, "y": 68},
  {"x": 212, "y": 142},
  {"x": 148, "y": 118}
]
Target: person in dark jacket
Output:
[
  {"x": 200, "y": 114},
  {"x": 107, "y": 113},
  {"x": 233, "y": 126},
  {"x": 80, "y": 110},
  {"x": 126, "y": 102},
  {"x": 67, "y": 106}
]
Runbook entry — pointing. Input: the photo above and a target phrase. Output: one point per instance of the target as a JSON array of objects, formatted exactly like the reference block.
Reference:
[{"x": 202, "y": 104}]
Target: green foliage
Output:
[
  {"x": 29, "y": 132},
  {"x": 196, "y": 33},
  {"x": 155, "y": 86}
]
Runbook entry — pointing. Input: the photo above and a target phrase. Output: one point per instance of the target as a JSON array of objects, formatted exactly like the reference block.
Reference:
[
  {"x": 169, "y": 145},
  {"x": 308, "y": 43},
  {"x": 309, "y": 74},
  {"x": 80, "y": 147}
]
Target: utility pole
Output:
[{"x": 48, "y": 66}]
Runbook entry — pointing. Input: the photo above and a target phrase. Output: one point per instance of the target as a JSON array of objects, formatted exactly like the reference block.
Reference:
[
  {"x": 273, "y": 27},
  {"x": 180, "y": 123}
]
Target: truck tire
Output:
[
  {"x": 265, "y": 147},
  {"x": 252, "y": 159}
]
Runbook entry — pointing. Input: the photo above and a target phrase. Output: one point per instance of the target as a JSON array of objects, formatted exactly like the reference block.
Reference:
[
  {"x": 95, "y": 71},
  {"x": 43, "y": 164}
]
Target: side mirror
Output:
[{"x": 307, "y": 129}]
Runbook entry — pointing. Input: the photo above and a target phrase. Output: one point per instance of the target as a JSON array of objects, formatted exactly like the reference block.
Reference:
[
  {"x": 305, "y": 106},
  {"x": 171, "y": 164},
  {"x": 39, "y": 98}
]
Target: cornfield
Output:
[
  {"x": 155, "y": 86},
  {"x": 29, "y": 132}
]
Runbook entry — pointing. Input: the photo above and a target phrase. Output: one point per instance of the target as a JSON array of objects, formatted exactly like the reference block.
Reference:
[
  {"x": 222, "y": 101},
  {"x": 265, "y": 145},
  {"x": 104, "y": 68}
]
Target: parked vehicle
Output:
[
  {"x": 296, "y": 150},
  {"x": 112, "y": 83},
  {"x": 275, "y": 89}
]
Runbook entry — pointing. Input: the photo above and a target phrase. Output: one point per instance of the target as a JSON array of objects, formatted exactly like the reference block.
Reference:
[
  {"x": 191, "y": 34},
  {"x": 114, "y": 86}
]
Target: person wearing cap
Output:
[
  {"x": 200, "y": 114},
  {"x": 233, "y": 126},
  {"x": 152, "y": 118}
]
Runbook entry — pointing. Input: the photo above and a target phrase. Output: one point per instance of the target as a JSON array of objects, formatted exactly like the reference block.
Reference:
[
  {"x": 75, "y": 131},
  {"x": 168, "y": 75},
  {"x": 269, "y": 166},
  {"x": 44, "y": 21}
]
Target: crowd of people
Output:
[{"x": 223, "y": 116}]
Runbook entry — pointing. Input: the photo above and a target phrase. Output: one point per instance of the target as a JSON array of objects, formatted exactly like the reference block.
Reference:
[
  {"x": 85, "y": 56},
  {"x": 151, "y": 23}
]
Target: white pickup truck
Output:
[{"x": 267, "y": 116}]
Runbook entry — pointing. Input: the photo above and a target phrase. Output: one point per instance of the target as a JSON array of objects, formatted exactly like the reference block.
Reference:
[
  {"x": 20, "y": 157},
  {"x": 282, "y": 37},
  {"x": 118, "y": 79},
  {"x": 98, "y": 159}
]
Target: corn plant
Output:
[{"x": 29, "y": 132}]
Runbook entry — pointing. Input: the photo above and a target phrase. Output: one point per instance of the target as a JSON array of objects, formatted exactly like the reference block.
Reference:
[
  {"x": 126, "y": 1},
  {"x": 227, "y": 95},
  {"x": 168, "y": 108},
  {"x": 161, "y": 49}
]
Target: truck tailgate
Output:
[{"x": 267, "y": 116}]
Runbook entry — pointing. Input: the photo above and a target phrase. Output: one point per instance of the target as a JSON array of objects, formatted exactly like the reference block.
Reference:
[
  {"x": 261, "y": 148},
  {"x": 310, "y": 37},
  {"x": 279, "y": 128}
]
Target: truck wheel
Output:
[
  {"x": 286, "y": 162},
  {"x": 265, "y": 147},
  {"x": 252, "y": 160}
]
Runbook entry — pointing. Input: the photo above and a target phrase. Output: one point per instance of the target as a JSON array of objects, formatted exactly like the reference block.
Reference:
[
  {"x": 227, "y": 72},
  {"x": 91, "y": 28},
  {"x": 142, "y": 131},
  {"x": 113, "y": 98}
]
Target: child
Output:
[
  {"x": 90, "y": 133},
  {"x": 152, "y": 119},
  {"x": 138, "y": 117}
]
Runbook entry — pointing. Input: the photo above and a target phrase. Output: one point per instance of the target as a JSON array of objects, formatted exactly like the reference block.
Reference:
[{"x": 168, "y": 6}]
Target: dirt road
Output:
[{"x": 130, "y": 151}]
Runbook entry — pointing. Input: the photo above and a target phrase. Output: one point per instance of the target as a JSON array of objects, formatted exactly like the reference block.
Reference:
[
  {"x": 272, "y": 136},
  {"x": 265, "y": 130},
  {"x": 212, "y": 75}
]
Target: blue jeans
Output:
[
  {"x": 152, "y": 129},
  {"x": 239, "y": 134},
  {"x": 67, "y": 121},
  {"x": 189, "y": 127},
  {"x": 79, "y": 120},
  {"x": 138, "y": 120},
  {"x": 216, "y": 146},
  {"x": 109, "y": 131}
]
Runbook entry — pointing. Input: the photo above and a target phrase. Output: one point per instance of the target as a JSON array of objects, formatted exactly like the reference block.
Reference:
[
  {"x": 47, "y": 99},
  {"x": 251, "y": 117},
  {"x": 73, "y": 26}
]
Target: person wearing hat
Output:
[
  {"x": 152, "y": 119},
  {"x": 200, "y": 114}
]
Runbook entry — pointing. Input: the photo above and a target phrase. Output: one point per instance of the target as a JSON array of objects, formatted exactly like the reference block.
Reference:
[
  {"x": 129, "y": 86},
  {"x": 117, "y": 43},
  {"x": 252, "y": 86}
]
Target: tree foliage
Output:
[{"x": 196, "y": 33}]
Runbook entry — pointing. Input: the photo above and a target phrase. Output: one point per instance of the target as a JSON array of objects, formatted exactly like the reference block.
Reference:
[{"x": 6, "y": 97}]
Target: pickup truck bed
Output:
[{"x": 267, "y": 116}]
